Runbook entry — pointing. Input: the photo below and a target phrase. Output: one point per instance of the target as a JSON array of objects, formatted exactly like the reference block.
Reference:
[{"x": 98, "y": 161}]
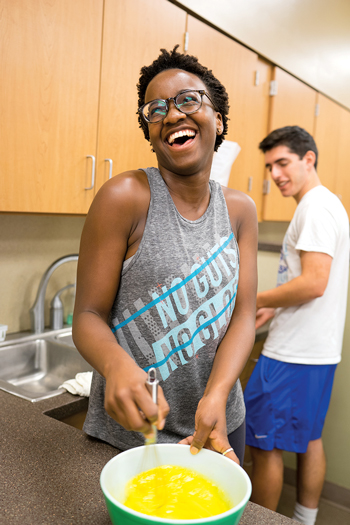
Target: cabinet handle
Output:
[
  {"x": 250, "y": 183},
  {"x": 92, "y": 171},
  {"x": 110, "y": 167},
  {"x": 266, "y": 187}
]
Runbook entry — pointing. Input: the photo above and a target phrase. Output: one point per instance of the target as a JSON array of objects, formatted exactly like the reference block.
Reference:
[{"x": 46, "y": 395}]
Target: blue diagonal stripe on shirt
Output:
[
  {"x": 174, "y": 288},
  {"x": 181, "y": 347}
]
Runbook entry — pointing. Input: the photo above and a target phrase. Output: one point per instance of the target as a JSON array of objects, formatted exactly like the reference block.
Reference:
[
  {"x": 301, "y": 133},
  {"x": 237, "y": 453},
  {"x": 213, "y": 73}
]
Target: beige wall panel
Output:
[
  {"x": 235, "y": 66},
  {"x": 28, "y": 246},
  {"x": 49, "y": 68},
  {"x": 294, "y": 105},
  {"x": 342, "y": 188},
  {"x": 327, "y": 135},
  {"x": 133, "y": 34},
  {"x": 336, "y": 433}
]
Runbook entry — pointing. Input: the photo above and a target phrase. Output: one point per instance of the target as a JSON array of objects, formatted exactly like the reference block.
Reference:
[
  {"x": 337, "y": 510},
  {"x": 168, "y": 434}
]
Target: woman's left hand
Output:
[{"x": 210, "y": 429}]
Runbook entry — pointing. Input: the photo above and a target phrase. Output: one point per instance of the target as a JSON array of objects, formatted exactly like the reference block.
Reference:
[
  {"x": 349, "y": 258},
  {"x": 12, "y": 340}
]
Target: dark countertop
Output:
[{"x": 50, "y": 470}]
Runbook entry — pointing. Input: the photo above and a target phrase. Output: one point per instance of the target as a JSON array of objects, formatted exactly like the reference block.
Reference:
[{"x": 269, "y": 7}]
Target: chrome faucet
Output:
[
  {"x": 56, "y": 309},
  {"x": 37, "y": 317}
]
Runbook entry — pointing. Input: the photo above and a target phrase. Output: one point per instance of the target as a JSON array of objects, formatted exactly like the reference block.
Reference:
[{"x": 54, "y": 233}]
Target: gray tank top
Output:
[{"x": 172, "y": 309}]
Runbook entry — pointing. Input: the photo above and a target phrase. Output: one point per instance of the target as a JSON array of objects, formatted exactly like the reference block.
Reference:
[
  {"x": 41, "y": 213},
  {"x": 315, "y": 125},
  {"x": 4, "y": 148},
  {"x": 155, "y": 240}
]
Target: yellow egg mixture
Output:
[{"x": 175, "y": 493}]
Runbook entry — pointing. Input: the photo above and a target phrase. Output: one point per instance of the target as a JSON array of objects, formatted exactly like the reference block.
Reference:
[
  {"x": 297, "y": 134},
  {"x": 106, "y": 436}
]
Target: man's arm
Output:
[{"x": 310, "y": 284}]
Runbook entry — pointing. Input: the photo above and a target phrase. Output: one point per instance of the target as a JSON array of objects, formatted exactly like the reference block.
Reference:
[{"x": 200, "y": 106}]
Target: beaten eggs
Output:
[{"x": 175, "y": 492}]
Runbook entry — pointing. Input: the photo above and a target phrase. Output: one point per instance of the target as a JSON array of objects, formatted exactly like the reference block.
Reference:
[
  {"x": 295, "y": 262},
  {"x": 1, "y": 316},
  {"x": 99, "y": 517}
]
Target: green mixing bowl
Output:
[{"x": 229, "y": 476}]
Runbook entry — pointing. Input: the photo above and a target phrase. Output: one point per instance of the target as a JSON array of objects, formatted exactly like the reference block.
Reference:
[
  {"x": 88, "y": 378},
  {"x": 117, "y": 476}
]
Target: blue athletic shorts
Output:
[{"x": 286, "y": 404}]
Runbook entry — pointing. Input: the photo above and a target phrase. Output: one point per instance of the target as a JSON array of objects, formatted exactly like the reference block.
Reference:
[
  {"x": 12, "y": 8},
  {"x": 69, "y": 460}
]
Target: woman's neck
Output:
[{"x": 190, "y": 193}]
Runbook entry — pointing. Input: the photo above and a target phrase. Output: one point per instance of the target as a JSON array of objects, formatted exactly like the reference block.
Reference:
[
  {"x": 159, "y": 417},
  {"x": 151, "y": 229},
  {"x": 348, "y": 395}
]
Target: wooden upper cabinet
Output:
[
  {"x": 68, "y": 99},
  {"x": 327, "y": 136},
  {"x": 258, "y": 119},
  {"x": 49, "y": 68},
  {"x": 293, "y": 105},
  {"x": 236, "y": 67},
  {"x": 343, "y": 165},
  {"x": 133, "y": 34}
]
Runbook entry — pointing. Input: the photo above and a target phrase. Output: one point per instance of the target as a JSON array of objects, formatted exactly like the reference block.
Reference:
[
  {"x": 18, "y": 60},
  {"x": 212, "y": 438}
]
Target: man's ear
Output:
[{"x": 310, "y": 158}]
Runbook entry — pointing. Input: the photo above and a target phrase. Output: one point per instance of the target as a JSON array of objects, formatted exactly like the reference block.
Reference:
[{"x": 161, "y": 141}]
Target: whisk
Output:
[
  {"x": 151, "y": 458},
  {"x": 152, "y": 386}
]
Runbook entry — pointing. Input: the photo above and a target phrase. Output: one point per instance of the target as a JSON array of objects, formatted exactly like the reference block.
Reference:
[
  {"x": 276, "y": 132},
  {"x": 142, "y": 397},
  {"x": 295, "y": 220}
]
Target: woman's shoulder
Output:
[
  {"x": 126, "y": 182},
  {"x": 242, "y": 212},
  {"x": 128, "y": 188},
  {"x": 238, "y": 201},
  {"x": 124, "y": 197}
]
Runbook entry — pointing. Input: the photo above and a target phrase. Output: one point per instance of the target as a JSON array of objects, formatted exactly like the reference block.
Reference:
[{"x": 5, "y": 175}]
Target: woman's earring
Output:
[{"x": 218, "y": 131}]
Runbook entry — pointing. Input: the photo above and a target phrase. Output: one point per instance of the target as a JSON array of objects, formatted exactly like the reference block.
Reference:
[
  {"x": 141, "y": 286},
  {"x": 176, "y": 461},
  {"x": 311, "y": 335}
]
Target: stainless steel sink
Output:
[
  {"x": 66, "y": 338},
  {"x": 34, "y": 367}
]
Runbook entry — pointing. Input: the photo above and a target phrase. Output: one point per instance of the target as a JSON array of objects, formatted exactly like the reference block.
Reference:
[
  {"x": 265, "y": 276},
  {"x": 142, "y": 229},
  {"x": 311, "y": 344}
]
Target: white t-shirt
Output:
[{"x": 312, "y": 333}]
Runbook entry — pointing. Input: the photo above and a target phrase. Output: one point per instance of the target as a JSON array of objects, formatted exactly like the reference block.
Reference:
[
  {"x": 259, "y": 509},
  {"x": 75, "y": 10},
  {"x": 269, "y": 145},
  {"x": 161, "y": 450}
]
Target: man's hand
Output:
[{"x": 263, "y": 315}]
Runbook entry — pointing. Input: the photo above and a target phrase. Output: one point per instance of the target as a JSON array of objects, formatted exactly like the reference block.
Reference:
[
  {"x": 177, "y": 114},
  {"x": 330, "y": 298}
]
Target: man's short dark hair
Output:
[
  {"x": 174, "y": 60},
  {"x": 296, "y": 139}
]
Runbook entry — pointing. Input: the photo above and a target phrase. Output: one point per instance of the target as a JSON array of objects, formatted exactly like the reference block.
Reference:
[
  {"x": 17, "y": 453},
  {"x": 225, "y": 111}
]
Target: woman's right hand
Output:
[{"x": 128, "y": 401}]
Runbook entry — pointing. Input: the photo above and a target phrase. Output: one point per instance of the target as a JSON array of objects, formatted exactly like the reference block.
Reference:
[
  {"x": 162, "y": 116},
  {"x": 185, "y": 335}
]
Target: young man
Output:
[{"x": 288, "y": 394}]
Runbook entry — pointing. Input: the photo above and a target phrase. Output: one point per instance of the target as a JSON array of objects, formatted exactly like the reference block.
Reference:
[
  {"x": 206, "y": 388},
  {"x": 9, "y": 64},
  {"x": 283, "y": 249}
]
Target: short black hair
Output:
[
  {"x": 175, "y": 60},
  {"x": 297, "y": 139}
]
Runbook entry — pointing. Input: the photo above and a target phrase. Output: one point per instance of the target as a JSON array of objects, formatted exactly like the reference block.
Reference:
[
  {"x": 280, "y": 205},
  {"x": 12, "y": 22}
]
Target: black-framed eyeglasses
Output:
[{"x": 188, "y": 102}]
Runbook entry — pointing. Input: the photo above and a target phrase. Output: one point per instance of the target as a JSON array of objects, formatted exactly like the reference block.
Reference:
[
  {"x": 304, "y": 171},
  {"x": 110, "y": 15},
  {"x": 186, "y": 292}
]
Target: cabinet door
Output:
[
  {"x": 133, "y": 34},
  {"x": 250, "y": 364},
  {"x": 342, "y": 187},
  {"x": 294, "y": 105},
  {"x": 49, "y": 68},
  {"x": 235, "y": 66},
  {"x": 327, "y": 135}
]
